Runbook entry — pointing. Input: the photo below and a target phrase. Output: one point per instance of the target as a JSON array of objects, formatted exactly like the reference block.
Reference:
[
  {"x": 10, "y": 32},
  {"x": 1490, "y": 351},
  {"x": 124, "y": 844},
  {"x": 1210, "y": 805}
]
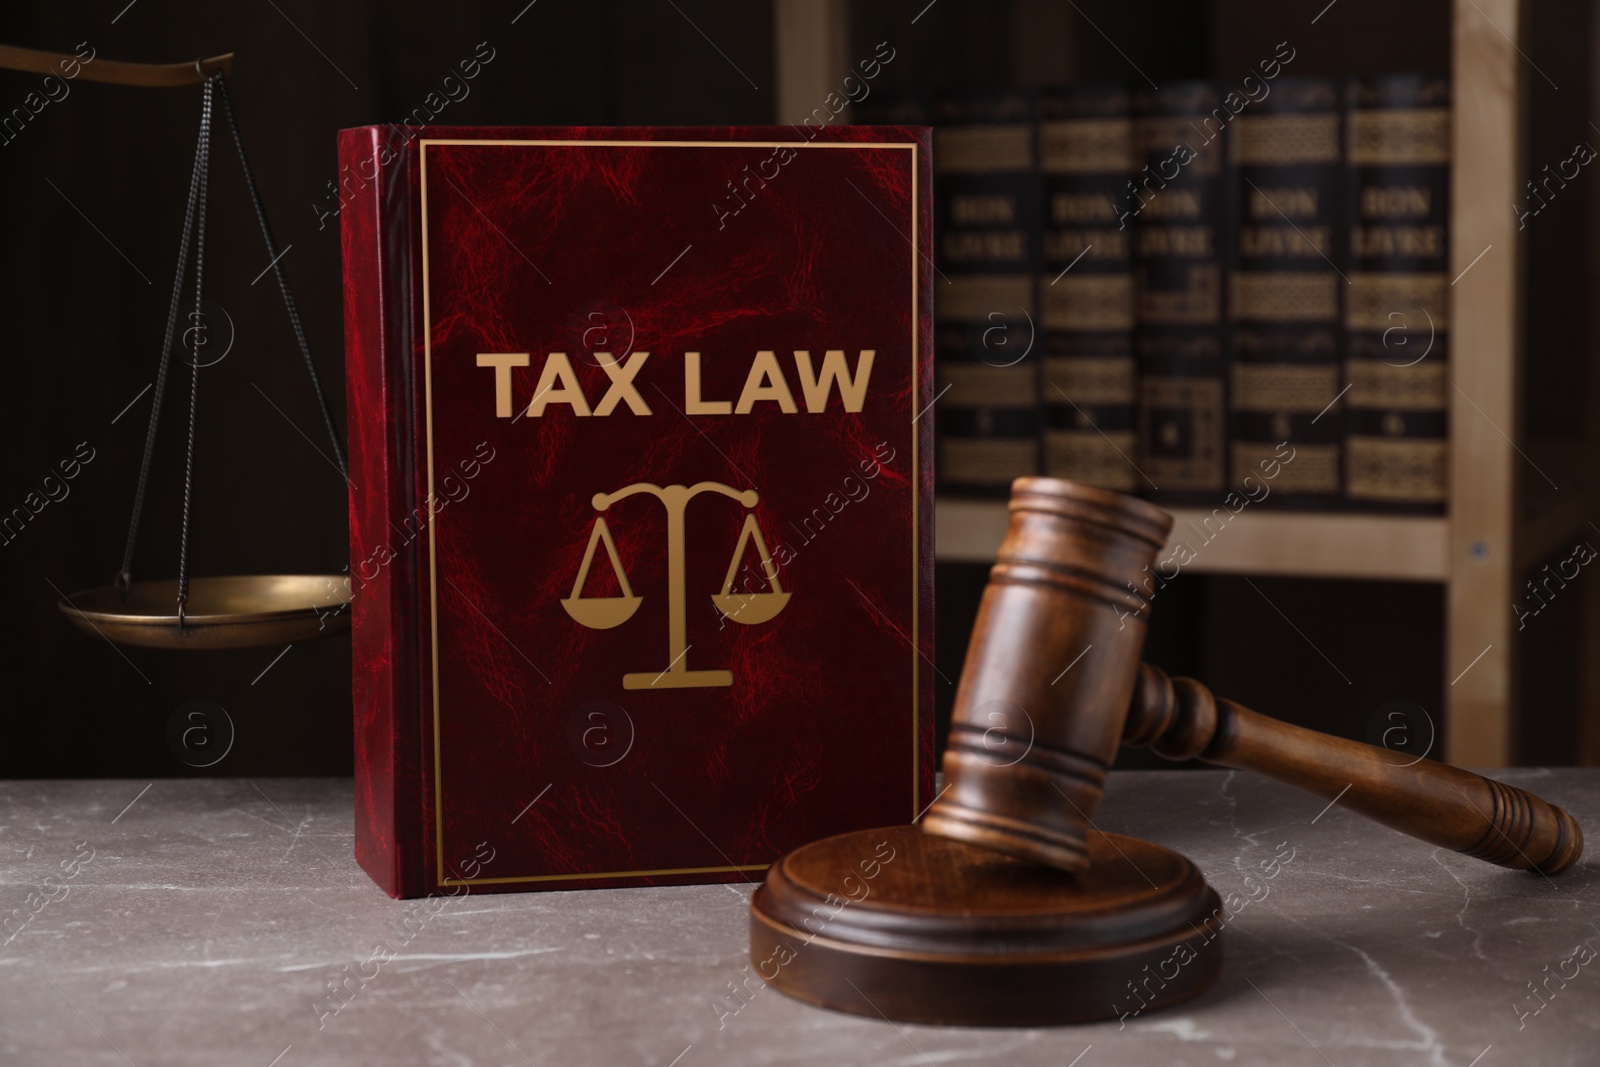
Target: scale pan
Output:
[{"x": 238, "y": 611}]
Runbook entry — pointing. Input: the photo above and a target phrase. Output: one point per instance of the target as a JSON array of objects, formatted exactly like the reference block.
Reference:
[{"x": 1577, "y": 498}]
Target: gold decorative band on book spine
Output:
[
  {"x": 983, "y": 149},
  {"x": 1422, "y": 386},
  {"x": 1089, "y": 302},
  {"x": 1381, "y": 301},
  {"x": 1280, "y": 139},
  {"x": 1199, "y": 401},
  {"x": 986, "y": 460},
  {"x": 1087, "y": 146},
  {"x": 1286, "y": 387},
  {"x": 1286, "y": 296},
  {"x": 1400, "y": 137},
  {"x": 1398, "y": 469},
  {"x": 978, "y": 385},
  {"x": 973, "y": 297},
  {"x": 1314, "y": 469},
  {"x": 1087, "y": 457},
  {"x": 1094, "y": 380}
]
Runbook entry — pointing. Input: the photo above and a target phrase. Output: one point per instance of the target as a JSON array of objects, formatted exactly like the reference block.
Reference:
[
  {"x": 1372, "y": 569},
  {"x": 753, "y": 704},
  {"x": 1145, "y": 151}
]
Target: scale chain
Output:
[
  {"x": 283, "y": 282},
  {"x": 125, "y": 574},
  {"x": 197, "y": 316}
]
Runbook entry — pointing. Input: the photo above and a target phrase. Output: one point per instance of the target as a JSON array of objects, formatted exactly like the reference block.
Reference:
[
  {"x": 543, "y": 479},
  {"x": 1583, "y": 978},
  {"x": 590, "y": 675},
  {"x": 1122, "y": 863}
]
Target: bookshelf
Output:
[{"x": 1506, "y": 512}]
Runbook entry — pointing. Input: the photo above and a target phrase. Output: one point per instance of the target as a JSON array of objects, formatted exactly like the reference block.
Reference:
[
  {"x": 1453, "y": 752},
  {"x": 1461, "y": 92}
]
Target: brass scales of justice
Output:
[
  {"x": 237, "y": 611},
  {"x": 605, "y": 612}
]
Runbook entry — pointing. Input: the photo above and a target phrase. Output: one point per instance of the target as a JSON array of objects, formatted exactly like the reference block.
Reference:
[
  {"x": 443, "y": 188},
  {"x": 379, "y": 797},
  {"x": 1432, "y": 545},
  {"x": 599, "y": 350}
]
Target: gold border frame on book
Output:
[{"x": 433, "y": 578}]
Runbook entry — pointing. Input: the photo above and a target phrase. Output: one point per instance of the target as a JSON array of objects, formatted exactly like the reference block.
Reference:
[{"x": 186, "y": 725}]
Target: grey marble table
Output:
[{"x": 204, "y": 922}]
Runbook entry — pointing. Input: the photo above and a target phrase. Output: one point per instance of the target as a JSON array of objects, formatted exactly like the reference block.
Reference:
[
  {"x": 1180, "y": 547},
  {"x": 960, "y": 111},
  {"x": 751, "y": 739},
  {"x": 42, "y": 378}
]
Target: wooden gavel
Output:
[{"x": 1053, "y": 685}]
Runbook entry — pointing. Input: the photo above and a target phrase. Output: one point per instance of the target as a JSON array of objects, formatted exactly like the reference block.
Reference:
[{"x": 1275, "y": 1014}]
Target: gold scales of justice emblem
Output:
[{"x": 605, "y": 612}]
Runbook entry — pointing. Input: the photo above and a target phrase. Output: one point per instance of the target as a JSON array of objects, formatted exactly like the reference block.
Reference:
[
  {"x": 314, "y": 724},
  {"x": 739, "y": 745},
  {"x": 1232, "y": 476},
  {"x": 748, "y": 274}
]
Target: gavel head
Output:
[{"x": 1050, "y": 672}]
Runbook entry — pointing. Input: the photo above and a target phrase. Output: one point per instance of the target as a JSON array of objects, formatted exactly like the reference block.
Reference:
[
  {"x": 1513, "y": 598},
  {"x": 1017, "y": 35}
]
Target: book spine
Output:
[
  {"x": 987, "y": 209},
  {"x": 1288, "y": 294},
  {"x": 377, "y": 326},
  {"x": 1397, "y": 318},
  {"x": 1178, "y": 204},
  {"x": 1085, "y": 289}
]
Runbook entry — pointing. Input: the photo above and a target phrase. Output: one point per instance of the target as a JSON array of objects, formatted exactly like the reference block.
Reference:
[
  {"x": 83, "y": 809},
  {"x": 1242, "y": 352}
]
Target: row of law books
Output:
[{"x": 1172, "y": 291}]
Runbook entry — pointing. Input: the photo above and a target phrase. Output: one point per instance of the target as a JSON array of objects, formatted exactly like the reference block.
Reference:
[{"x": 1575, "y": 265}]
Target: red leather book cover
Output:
[{"x": 641, "y": 498}]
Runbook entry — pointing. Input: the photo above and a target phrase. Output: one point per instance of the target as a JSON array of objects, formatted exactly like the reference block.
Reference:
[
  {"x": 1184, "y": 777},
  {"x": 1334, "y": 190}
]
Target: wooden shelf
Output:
[{"x": 1300, "y": 543}]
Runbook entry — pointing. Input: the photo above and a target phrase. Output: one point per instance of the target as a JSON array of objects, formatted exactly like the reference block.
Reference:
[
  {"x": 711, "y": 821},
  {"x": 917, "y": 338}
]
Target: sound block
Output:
[{"x": 899, "y": 924}]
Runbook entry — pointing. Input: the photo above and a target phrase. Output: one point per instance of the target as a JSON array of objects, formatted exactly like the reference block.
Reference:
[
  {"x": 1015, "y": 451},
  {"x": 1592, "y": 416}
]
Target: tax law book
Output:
[{"x": 640, "y": 498}]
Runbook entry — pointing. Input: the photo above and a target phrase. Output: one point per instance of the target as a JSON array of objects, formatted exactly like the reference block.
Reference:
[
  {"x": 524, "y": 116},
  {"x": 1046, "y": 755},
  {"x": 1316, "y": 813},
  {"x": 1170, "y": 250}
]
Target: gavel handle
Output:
[{"x": 1181, "y": 719}]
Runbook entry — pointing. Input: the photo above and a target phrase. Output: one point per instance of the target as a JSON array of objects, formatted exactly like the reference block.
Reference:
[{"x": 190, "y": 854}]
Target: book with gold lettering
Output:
[
  {"x": 1397, "y": 319},
  {"x": 1178, "y": 206},
  {"x": 641, "y": 539},
  {"x": 987, "y": 221},
  {"x": 1086, "y": 290},
  {"x": 1289, "y": 291}
]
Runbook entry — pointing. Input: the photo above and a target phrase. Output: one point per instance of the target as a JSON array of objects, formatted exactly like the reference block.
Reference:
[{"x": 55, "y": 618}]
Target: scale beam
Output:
[{"x": 117, "y": 72}]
